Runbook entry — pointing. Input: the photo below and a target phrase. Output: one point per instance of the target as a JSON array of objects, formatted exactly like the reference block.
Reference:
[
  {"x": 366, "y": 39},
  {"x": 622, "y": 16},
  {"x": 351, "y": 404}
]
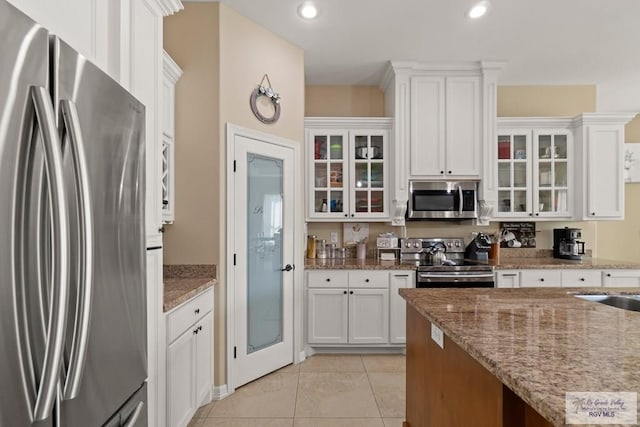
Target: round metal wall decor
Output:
[{"x": 269, "y": 93}]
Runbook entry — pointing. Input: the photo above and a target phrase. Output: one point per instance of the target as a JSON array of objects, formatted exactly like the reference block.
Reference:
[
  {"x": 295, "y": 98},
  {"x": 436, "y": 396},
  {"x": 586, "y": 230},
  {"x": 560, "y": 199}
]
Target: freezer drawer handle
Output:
[
  {"x": 60, "y": 252},
  {"x": 136, "y": 414},
  {"x": 85, "y": 283}
]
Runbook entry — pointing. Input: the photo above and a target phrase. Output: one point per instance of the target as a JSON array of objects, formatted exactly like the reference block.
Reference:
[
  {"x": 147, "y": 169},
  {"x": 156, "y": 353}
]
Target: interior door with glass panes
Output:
[
  {"x": 552, "y": 165},
  {"x": 368, "y": 174},
  {"x": 330, "y": 182},
  {"x": 514, "y": 174}
]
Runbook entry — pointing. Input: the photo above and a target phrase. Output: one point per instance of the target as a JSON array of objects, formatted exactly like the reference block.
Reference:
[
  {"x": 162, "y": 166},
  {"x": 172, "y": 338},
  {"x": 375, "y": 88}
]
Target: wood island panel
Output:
[{"x": 448, "y": 388}]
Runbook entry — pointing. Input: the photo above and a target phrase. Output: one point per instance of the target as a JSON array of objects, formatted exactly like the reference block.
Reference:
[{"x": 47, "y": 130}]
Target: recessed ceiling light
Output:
[
  {"x": 478, "y": 10},
  {"x": 307, "y": 10}
]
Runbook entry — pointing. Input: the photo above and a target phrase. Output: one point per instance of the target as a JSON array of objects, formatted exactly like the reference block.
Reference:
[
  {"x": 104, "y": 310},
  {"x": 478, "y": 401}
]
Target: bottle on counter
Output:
[{"x": 311, "y": 246}]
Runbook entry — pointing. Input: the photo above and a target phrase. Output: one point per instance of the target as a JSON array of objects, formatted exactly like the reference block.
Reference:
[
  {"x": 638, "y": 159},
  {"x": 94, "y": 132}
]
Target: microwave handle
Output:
[{"x": 460, "y": 200}]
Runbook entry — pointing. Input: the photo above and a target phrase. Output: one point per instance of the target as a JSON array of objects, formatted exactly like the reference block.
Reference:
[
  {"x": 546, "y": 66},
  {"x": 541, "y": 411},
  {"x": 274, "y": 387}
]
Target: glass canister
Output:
[
  {"x": 311, "y": 246},
  {"x": 331, "y": 250},
  {"x": 321, "y": 249}
]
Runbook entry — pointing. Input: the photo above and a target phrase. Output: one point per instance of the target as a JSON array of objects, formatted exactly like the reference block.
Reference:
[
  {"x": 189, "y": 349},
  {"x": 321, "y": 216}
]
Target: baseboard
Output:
[
  {"x": 401, "y": 349},
  {"x": 219, "y": 392}
]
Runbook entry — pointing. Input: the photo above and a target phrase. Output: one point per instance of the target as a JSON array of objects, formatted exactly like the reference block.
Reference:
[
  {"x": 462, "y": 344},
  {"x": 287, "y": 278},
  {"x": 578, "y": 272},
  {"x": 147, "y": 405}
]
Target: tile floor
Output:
[{"x": 322, "y": 391}]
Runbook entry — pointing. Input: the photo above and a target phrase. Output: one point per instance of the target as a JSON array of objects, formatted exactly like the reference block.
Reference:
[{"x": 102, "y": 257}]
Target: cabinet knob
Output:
[
  {"x": 582, "y": 279},
  {"x": 346, "y": 215},
  {"x": 530, "y": 214},
  {"x": 449, "y": 172},
  {"x": 196, "y": 311},
  {"x": 593, "y": 214},
  {"x": 542, "y": 279},
  {"x": 345, "y": 292},
  {"x": 351, "y": 292},
  {"x": 328, "y": 280},
  {"x": 161, "y": 229},
  {"x": 195, "y": 331},
  {"x": 352, "y": 215},
  {"x": 442, "y": 172},
  {"x": 200, "y": 328},
  {"x": 366, "y": 280},
  {"x": 608, "y": 274},
  {"x": 537, "y": 214}
]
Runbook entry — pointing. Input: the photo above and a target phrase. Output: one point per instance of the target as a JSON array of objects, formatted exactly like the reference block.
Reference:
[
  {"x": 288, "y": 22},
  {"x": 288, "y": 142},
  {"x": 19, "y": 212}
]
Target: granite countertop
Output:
[
  {"x": 504, "y": 263},
  {"x": 540, "y": 342},
  {"x": 513, "y": 263},
  {"x": 185, "y": 281},
  {"x": 355, "y": 264}
]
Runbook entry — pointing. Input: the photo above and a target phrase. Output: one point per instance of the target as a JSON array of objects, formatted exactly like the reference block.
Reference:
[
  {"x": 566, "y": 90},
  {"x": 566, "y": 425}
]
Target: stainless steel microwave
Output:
[{"x": 442, "y": 200}]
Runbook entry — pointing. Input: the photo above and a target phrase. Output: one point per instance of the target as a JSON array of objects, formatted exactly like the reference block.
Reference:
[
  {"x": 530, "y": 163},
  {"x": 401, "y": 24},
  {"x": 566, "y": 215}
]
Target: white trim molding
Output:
[{"x": 219, "y": 392}]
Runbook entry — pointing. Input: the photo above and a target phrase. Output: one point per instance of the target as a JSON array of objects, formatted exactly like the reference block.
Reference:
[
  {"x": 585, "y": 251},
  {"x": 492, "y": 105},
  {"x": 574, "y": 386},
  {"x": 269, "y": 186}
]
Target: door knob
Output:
[{"x": 288, "y": 267}]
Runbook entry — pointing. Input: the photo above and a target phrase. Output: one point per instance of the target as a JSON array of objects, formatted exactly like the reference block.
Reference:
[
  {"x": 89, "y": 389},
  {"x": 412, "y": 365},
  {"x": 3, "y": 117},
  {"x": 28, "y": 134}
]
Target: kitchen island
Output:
[{"x": 510, "y": 355}]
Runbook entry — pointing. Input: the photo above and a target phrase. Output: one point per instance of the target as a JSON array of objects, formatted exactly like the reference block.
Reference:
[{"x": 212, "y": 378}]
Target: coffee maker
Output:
[{"x": 566, "y": 243}]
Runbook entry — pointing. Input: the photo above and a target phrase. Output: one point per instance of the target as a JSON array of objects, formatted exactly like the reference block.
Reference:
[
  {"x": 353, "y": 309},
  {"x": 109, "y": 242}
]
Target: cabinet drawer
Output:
[
  {"x": 368, "y": 279},
  {"x": 185, "y": 315},
  {"x": 540, "y": 278},
  {"x": 573, "y": 278},
  {"x": 328, "y": 279},
  {"x": 621, "y": 278}
]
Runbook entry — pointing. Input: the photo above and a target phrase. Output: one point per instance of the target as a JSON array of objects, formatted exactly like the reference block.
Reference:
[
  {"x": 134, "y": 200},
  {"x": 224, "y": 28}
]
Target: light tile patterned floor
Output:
[{"x": 322, "y": 391}]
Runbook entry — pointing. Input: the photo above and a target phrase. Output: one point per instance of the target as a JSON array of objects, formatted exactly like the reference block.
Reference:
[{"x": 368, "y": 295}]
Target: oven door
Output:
[
  {"x": 455, "y": 279},
  {"x": 442, "y": 200}
]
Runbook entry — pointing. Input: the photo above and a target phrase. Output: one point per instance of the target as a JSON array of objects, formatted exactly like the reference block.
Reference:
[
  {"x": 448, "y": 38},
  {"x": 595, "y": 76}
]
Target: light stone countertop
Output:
[
  {"x": 354, "y": 264},
  {"x": 504, "y": 263},
  {"x": 540, "y": 342},
  {"x": 184, "y": 281}
]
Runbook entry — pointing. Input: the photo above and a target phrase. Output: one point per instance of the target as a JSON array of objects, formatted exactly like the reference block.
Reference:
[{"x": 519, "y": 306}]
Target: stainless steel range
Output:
[{"x": 440, "y": 264}]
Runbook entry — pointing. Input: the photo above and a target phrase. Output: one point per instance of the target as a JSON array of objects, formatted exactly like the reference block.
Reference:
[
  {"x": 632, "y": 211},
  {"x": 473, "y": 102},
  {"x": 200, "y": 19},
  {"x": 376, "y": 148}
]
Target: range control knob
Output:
[
  {"x": 457, "y": 244},
  {"x": 407, "y": 244},
  {"x": 448, "y": 244},
  {"x": 417, "y": 245}
]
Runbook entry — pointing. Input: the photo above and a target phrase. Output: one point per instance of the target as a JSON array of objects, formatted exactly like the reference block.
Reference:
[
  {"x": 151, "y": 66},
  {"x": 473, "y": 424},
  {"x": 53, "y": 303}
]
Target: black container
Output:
[
  {"x": 566, "y": 243},
  {"x": 478, "y": 248}
]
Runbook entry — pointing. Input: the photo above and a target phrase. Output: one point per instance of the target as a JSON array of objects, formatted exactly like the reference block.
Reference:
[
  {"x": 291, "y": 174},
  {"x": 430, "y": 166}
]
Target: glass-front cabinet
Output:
[
  {"x": 534, "y": 170},
  {"x": 347, "y": 169}
]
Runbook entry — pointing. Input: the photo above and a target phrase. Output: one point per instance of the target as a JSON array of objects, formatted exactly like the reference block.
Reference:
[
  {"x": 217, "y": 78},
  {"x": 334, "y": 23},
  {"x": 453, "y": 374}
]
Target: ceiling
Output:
[{"x": 541, "y": 41}]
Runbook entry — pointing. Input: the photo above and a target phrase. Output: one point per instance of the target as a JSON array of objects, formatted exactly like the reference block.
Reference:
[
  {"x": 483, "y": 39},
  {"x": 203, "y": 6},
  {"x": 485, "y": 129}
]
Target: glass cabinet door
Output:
[
  {"x": 552, "y": 173},
  {"x": 514, "y": 174},
  {"x": 329, "y": 157},
  {"x": 368, "y": 172}
]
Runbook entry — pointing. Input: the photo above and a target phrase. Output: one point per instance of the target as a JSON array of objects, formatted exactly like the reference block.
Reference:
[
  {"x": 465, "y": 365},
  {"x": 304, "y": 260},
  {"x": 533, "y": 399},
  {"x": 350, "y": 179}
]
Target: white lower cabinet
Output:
[
  {"x": 189, "y": 358},
  {"x": 397, "y": 305},
  {"x": 540, "y": 278},
  {"x": 356, "y": 307},
  {"x": 507, "y": 279},
  {"x": 369, "y": 316},
  {"x": 581, "y": 278},
  {"x": 621, "y": 278}
]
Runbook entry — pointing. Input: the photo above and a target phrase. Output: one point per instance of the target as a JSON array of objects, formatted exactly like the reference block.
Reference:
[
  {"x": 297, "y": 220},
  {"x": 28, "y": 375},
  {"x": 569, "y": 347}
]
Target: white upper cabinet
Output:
[
  {"x": 444, "y": 119},
  {"x": 535, "y": 168},
  {"x": 171, "y": 74},
  {"x": 347, "y": 168},
  {"x": 445, "y": 127},
  {"x": 600, "y": 160}
]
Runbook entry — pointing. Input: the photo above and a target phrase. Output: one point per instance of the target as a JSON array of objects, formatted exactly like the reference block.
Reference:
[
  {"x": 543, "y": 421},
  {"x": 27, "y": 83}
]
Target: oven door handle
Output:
[{"x": 455, "y": 276}]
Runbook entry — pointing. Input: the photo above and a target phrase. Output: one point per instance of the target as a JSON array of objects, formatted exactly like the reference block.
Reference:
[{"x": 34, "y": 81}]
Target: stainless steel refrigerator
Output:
[{"x": 72, "y": 245}]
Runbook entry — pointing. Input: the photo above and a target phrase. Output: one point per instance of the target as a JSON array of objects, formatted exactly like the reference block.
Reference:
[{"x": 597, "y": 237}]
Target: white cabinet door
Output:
[
  {"x": 581, "y": 278},
  {"x": 156, "y": 340},
  {"x": 204, "y": 360},
  {"x": 540, "y": 278},
  {"x": 368, "y": 316},
  {"x": 397, "y": 305},
  {"x": 327, "y": 316},
  {"x": 604, "y": 174},
  {"x": 427, "y": 140},
  {"x": 181, "y": 377},
  {"x": 507, "y": 279},
  {"x": 463, "y": 131},
  {"x": 621, "y": 278}
]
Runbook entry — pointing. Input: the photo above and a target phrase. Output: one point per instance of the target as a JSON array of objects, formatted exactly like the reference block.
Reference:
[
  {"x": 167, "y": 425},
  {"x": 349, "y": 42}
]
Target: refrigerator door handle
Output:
[
  {"x": 47, "y": 390},
  {"x": 131, "y": 421},
  {"x": 85, "y": 284}
]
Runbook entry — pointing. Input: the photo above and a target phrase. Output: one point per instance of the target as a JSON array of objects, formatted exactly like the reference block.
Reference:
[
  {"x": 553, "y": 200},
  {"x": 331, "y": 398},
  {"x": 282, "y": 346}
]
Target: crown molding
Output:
[{"x": 172, "y": 69}]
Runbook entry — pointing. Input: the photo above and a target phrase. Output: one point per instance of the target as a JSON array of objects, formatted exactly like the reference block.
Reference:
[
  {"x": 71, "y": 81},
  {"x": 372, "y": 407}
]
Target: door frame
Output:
[{"x": 298, "y": 243}]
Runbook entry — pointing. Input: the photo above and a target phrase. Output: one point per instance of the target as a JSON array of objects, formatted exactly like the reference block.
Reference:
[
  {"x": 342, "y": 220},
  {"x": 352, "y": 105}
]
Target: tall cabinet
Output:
[{"x": 347, "y": 168}]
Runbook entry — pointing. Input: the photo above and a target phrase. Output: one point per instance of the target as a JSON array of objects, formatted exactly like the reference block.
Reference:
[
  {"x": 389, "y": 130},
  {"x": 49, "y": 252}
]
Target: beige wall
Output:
[
  {"x": 543, "y": 101},
  {"x": 344, "y": 101},
  {"x": 224, "y": 57},
  {"x": 191, "y": 38}
]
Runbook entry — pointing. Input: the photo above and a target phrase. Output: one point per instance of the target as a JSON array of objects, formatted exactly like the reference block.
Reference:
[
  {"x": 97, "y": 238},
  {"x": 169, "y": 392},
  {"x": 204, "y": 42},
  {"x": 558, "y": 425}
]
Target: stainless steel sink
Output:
[{"x": 625, "y": 302}]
